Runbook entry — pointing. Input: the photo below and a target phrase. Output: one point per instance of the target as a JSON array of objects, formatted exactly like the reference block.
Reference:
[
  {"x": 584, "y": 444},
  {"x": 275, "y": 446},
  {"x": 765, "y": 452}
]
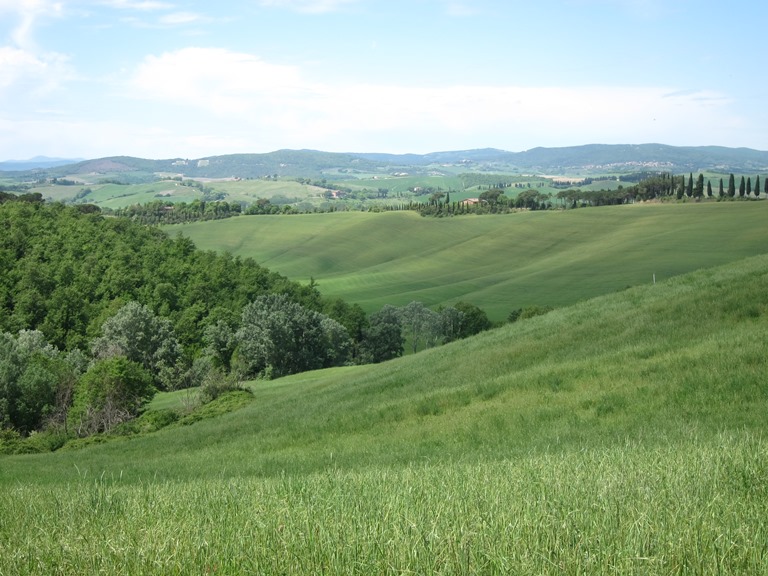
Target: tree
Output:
[
  {"x": 749, "y": 187},
  {"x": 474, "y": 321},
  {"x": 34, "y": 376},
  {"x": 383, "y": 337},
  {"x": 742, "y": 187},
  {"x": 450, "y": 323},
  {"x": 757, "y": 186},
  {"x": 111, "y": 392},
  {"x": 709, "y": 189},
  {"x": 220, "y": 343},
  {"x": 720, "y": 192},
  {"x": 135, "y": 333},
  {"x": 680, "y": 190},
  {"x": 731, "y": 186},
  {"x": 278, "y": 336},
  {"x": 492, "y": 196},
  {"x": 420, "y": 324},
  {"x": 699, "y": 190},
  {"x": 689, "y": 189}
]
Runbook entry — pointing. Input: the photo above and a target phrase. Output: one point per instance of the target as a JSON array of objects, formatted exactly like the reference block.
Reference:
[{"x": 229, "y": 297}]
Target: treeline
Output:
[
  {"x": 492, "y": 201},
  {"x": 666, "y": 186},
  {"x": 97, "y": 313},
  {"x": 164, "y": 212},
  {"x": 660, "y": 186}
]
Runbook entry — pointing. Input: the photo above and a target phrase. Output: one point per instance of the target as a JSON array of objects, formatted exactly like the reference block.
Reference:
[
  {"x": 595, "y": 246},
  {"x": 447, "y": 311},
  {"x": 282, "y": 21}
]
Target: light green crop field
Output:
[
  {"x": 121, "y": 195},
  {"x": 499, "y": 263},
  {"x": 622, "y": 435}
]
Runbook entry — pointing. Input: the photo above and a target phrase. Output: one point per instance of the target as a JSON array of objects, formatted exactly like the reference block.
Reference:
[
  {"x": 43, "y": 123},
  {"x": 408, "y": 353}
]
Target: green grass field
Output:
[
  {"x": 121, "y": 195},
  {"x": 624, "y": 434},
  {"x": 499, "y": 263}
]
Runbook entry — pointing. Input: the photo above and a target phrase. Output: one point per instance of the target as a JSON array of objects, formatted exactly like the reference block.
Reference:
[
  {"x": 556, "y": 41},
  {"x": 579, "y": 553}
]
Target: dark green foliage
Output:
[
  {"x": 163, "y": 212},
  {"x": 698, "y": 191},
  {"x": 528, "y": 312},
  {"x": 35, "y": 381},
  {"x": 64, "y": 273},
  {"x": 473, "y": 321},
  {"x": 383, "y": 337},
  {"x": 742, "y": 187},
  {"x": 278, "y": 336},
  {"x": 137, "y": 334},
  {"x": 731, "y": 186},
  {"x": 113, "y": 391}
]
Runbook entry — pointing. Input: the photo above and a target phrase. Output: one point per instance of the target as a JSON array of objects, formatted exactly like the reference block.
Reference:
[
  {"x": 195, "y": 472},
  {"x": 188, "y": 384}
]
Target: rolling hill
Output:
[
  {"x": 499, "y": 263},
  {"x": 621, "y": 434},
  {"x": 587, "y": 159}
]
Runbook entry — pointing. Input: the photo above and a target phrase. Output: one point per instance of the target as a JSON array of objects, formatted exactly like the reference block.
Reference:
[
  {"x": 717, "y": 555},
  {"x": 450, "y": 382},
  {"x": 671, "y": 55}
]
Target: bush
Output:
[{"x": 110, "y": 393}]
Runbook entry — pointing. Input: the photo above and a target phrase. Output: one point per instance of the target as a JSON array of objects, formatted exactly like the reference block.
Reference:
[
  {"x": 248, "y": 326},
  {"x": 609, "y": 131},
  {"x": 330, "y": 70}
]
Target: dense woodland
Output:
[{"x": 98, "y": 312}]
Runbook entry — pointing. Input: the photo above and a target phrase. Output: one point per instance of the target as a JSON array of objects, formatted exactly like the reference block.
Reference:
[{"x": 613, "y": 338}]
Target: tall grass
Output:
[{"x": 690, "y": 508}]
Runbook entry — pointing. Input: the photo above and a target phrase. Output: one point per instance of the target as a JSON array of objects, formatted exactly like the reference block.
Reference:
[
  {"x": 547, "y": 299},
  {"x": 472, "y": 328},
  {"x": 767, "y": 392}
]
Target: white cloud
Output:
[
  {"x": 28, "y": 12},
  {"x": 216, "y": 80},
  {"x": 139, "y": 5},
  {"x": 24, "y": 69},
  {"x": 179, "y": 18},
  {"x": 308, "y": 6},
  {"x": 242, "y": 93}
]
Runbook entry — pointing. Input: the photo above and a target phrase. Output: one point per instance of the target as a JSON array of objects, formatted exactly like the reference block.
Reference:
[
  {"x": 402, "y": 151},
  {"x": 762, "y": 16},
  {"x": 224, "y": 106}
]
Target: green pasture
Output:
[
  {"x": 403, "y": 184},
  {"x": 121, "y": 195},
  {"x": 251, "y": 190},
  {"x": 499, "y": 263},
  {"x": 624, "y": 434}
]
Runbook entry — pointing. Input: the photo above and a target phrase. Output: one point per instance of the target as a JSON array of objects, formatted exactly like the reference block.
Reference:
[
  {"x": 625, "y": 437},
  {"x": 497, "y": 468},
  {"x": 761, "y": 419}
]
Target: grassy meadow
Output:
[
  {"x": 623, "y": 434},
  {"x": 499, "y": 263},
  {"x": 120, "y": 195}
]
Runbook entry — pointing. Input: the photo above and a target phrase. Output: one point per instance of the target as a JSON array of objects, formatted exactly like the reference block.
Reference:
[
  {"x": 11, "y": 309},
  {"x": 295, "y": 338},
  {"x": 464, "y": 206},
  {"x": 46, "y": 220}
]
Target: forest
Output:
[{"x": 99, "y": 312}]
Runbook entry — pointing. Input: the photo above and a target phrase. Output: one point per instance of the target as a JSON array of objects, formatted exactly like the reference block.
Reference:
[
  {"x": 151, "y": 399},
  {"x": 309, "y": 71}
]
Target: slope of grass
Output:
[
  {"x": 499, "y": 263},
  {"x": 620, "y": 435},
  {"x": 657, "y": 363}
]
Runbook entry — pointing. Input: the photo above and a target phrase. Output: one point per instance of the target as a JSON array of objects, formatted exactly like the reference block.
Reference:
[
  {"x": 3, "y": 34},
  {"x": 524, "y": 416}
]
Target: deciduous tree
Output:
[{"x": 135, "y": 333}]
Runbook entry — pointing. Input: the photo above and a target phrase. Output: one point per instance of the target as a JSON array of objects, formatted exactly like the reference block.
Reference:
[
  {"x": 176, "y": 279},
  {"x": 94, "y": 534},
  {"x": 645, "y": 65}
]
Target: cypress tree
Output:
[
  {"x": 749, "y": 186},
  {"x": 699, "y": 191},
  {"x": 720, "y": 192},
  {"x": 689, "y": 190},
  {"x": 731, "y": 186},
  {"x": 757, "y": 186},
  {"x": 709, "y": 189},
  {"x": 742, "y": 187}
]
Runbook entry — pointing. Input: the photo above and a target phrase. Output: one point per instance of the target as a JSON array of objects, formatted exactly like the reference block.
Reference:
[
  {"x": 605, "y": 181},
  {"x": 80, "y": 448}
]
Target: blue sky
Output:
[{"x": 174, "y": 78}]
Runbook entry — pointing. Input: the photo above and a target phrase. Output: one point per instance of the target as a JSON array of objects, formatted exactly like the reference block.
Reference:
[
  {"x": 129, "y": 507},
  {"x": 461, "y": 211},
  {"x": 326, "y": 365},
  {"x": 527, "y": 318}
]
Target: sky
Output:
[{"x": 189, "y": 79}]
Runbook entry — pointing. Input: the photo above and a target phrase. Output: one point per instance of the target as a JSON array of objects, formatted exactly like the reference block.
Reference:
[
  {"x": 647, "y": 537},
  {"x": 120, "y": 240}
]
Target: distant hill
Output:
[
  {"x": 612, "y": 157},
  {"x": 35, "y": 163},
  {"x": 591, "y": 158}
]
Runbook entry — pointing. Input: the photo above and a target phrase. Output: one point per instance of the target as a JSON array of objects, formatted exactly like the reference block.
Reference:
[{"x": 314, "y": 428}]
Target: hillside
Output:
[
  {"x": 625, "y": 433},
  {"x": 499, "y": 263},
  {"x": 656, "y": 363},
  {"x": 587, "y": 159}
]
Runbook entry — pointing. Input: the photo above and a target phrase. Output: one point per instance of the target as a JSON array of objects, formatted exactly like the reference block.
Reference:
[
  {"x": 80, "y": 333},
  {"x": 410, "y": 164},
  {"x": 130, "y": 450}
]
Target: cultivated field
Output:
[
  {"x": 499, "y": 263},
  {"x": 624, "y": 434}
]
